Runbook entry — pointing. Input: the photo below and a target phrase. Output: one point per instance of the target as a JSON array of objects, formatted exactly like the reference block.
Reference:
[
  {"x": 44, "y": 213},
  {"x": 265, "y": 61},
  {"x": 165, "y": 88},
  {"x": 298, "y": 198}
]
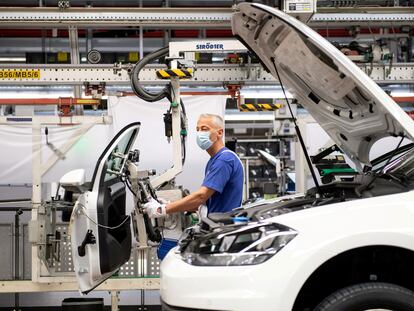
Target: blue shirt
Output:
[{"x": 224, "y": 174}]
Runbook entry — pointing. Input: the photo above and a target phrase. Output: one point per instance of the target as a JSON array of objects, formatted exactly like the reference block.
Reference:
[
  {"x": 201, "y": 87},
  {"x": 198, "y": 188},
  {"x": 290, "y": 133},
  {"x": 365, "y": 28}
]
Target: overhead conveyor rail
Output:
[
  {"x": 46, "y": 17},
  {"x": 206, "y": 74},
  {"x": 115, "y": 17}
]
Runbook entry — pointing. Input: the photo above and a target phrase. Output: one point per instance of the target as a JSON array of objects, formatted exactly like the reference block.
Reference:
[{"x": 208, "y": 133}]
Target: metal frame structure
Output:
[
  {"x": 383, "y": 19},
  {"x": 115, "y": 17},
  {"x": 211, "y": 74},
  {"x": 40, "y": 282},
  {"x": 113, "y": 284},
  {"x": 119, "y": 74},
  {"x": 38, "y": 219},
  {"x": 42, "y": 17}
]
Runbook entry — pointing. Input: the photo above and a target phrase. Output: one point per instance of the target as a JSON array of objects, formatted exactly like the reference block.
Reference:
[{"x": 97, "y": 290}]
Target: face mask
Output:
[{"x": 203, "y": 140}]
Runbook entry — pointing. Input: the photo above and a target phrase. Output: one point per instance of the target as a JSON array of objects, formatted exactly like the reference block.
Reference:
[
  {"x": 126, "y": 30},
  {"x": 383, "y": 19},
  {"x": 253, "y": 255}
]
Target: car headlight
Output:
[{"x": 247, "y": 245}]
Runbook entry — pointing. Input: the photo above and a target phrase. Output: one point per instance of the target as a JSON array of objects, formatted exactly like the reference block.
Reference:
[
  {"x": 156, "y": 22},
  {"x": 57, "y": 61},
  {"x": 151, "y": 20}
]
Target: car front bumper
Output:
[
  {"x": 166, "y": 307},
  {"x": 236, "y": 288}
]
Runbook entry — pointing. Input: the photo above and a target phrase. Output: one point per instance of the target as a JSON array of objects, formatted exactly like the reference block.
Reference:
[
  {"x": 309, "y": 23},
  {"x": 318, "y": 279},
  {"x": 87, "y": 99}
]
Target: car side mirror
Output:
[{"x": 74, "y": 181}]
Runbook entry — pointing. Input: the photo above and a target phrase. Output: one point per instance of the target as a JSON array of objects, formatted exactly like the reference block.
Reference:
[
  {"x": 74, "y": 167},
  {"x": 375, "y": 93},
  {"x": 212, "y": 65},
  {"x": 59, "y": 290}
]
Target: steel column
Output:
[{"x": 74, "y": 56}]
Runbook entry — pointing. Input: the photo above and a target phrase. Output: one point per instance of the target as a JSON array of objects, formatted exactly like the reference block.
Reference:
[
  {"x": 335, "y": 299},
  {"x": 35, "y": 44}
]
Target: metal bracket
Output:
[{"x": 63, "y": 4}]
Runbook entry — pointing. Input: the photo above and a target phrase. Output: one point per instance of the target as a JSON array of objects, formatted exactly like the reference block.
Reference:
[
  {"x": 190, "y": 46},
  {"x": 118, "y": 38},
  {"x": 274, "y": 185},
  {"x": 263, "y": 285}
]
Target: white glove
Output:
[
  {"x": 163, "y": 201},
  {"x": 155, "y": 209}
]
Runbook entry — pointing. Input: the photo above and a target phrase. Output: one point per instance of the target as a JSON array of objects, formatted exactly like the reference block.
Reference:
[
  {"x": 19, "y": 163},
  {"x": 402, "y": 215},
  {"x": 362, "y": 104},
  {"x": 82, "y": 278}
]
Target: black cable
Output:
[
  {"x": 184, "y": 150},
  {"x": 103, "y": 226},
  {"x": 139, "y": 90},
  {"x": 302, "y": 143},
  {"x": 183, "y": 130},
  {"x": 183, "y": 107},
  {"x": 183, "y": 117},
  {"x": 152, "y": 231},
  {"x": 127, "y": 183},
  {"x": 385, "y": 165},
  {"x": 47, "y": 135},
  {"x": 183, "y": 112}
]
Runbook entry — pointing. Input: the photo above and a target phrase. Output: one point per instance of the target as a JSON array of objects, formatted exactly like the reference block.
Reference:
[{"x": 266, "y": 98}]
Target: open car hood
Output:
[{"x": 353, "y": 110}]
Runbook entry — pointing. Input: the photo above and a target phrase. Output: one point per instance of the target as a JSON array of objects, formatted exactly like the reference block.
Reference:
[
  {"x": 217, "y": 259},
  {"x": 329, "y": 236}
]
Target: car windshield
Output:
[
  {"x": 379, "y": 162},
  {"x": 402, "y": 166}
]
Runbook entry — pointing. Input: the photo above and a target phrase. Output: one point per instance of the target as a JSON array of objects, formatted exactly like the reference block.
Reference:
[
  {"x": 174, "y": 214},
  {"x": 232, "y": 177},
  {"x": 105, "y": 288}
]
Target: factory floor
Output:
[{"x": 107, "y": 308}]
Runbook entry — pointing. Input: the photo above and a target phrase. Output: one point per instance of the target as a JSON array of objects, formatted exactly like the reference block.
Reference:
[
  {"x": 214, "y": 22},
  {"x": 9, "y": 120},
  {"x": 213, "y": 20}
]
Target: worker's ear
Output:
[{"x": 220, "y": 133}]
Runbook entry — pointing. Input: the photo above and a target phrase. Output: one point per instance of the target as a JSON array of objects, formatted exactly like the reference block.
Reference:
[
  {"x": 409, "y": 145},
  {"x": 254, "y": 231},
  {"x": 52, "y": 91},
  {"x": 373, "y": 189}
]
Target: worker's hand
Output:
[{"x": 155, "y": 209}]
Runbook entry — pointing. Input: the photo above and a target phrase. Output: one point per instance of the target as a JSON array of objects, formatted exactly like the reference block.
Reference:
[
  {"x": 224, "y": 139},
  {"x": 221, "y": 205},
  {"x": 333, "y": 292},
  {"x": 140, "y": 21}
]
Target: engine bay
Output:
[{"x": 365, "y": 185}]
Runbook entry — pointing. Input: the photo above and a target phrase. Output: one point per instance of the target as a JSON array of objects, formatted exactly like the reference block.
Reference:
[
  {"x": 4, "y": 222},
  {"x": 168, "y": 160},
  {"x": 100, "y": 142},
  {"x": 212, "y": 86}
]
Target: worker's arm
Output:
[{"x": 191, "y": 202}]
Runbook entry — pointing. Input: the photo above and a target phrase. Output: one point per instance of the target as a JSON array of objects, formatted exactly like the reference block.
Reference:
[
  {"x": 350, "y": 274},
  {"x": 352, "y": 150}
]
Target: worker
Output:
[{"x": 222, "y": 187}]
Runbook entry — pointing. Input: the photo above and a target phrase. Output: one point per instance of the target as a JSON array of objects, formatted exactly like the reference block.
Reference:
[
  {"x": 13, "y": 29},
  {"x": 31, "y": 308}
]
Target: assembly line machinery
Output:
[{"x": 95, "y": 79}]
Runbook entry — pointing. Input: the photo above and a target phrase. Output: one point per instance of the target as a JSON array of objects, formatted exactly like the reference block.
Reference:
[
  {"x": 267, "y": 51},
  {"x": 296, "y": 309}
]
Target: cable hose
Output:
[
  {"x": 139, "y": 90},
  {"x": 142, "y": 93}
]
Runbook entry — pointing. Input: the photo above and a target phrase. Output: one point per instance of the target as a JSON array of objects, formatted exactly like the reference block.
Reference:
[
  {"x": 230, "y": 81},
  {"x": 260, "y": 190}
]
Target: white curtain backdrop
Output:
[{"x": 156, "y": 153}]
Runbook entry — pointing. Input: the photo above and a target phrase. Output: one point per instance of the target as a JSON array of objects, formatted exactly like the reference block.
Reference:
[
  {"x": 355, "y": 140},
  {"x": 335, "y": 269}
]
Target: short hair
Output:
[{"x": 217, "y": 120}]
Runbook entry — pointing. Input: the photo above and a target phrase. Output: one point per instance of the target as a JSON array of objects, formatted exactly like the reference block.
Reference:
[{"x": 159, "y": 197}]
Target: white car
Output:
[{"x": 347, "y": 246}]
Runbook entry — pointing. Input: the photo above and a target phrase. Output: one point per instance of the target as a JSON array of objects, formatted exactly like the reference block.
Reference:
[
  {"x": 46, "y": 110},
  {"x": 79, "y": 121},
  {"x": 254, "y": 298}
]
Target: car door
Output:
[{"x": 99, "y": 226}]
